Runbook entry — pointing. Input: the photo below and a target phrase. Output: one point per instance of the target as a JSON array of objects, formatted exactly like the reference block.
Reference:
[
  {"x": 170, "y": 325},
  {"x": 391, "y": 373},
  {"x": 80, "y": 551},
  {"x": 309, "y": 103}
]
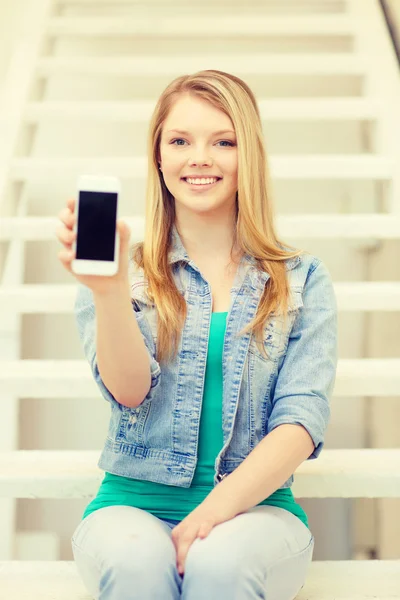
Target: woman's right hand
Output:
[{"x": 100, "y": 284}]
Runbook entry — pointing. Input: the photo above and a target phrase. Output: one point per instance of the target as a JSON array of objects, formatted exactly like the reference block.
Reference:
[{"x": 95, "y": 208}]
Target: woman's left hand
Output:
[{"x": 197, "y": 524}]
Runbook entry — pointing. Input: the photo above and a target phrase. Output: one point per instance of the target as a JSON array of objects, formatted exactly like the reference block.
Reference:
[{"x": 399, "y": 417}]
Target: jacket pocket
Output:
[
  {"x": 277, "y": 331},
  {"x": 132, "y": 424}
]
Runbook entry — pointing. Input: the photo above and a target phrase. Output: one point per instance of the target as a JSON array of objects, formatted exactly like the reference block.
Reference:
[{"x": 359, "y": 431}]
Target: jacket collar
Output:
[{"x": 178, "y": 253}]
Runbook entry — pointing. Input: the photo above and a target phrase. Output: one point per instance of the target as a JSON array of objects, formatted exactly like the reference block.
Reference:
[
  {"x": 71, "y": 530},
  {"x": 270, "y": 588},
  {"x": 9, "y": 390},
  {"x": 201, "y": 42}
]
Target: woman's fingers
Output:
[
  {"x": 66, "y": 256},
  {"x": 65, "y": 232},
  {"x": 67, "y": 217},
  {"x": 65, "y": 235}
]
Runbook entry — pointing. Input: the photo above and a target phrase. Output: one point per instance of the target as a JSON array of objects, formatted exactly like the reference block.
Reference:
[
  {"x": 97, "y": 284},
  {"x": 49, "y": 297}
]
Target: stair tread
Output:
[
  {"x": 270, "y": 108},
  {"x": 326, "y": 580},
  {"x": 175, "y": 64},
  {"x": 201, "y": 25},
  {"x": 333, "y": 6},
  {"x": 337, "y": 473},
  {"x": 58, "y": 298},
  {"x": 286, "y": 167},
  {"x": 310, "y": 226},
  {"x": 30, "y": 378}
]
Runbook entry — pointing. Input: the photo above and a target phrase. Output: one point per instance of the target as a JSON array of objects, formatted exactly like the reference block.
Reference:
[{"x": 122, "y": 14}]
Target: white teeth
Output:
[{"x": 200, "y": 181}]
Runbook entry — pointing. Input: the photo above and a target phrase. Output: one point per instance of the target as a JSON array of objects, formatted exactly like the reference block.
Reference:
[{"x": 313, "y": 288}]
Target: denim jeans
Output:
[{"x": 126, "y": 553}]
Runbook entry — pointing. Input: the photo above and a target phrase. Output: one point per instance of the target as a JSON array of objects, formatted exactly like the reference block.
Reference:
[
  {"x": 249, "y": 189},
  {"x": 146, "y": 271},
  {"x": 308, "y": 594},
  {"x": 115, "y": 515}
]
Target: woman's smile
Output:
[{"x": 200, "y": 187}]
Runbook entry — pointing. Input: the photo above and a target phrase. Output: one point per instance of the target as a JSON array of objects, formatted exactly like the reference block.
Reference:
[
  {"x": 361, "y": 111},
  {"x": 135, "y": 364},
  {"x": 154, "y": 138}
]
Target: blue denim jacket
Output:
[{"x": 157, "y": 441}]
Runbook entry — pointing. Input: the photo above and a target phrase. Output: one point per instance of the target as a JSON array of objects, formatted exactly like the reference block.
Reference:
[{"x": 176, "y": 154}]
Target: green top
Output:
[{"x": 173, "y": 502}]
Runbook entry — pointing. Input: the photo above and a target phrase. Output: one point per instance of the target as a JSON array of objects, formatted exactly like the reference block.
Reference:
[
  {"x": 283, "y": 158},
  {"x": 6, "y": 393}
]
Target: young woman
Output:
[{"x": 216, "y": 346}]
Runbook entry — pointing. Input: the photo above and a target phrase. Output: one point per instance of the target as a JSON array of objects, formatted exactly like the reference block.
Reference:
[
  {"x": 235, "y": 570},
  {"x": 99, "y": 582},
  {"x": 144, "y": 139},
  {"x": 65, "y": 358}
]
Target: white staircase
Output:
[{"x": 326, "y": 63}]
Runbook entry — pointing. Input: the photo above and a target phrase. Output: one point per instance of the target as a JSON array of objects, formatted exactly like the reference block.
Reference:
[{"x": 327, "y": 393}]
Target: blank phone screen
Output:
[{"x": 96, "y": 225}]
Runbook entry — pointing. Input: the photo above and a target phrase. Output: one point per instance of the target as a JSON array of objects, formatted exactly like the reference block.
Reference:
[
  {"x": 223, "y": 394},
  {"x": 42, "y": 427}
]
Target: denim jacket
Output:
[{"x": 157, "y": 441}]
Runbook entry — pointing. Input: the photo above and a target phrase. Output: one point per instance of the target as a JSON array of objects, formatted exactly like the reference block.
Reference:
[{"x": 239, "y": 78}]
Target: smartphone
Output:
[{"x": 96, "y": 245}]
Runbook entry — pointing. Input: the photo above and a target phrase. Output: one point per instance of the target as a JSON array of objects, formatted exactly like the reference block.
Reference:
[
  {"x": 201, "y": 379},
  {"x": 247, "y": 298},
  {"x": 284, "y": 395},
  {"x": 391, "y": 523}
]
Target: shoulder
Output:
[
  {"x": 312, "y": 281},
  {"x": 310, "y": 274},
  {"x": 299, "y": 268}
]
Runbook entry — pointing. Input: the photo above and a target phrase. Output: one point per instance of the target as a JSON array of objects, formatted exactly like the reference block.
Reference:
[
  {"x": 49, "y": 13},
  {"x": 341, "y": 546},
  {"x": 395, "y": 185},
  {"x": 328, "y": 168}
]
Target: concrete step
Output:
[
  {"x": 201, "y": 26},
  {"x": 344, "y": 473},
  {"x": 364, "y": 227},
  {"x": 283, "y": 167},
  {"x": 35, "y": 378},
  {"x": 291, "y": 7},
  {"x": 271, "y": 109},
  {"x": 176, "y": 64},
  {"x": 60, "y": 298},
  {"x": 326, "y": 580}
]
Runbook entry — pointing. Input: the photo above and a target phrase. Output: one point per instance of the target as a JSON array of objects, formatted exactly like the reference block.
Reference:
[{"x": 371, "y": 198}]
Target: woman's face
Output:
[{"x": 202, "y": 152}]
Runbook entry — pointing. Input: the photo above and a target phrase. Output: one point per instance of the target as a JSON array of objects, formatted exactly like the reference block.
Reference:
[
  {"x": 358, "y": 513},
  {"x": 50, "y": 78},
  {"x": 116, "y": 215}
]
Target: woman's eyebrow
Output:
[{"x": 188, "y": 132}]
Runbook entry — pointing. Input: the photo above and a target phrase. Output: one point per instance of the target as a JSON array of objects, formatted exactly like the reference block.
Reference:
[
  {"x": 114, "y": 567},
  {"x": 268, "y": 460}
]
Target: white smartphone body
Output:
[{"x": 96, "y": 245}]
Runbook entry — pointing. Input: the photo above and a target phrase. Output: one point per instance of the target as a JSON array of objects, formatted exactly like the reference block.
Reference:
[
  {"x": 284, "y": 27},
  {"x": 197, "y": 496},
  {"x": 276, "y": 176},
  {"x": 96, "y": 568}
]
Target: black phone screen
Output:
[{"x": 97, "y": 218}]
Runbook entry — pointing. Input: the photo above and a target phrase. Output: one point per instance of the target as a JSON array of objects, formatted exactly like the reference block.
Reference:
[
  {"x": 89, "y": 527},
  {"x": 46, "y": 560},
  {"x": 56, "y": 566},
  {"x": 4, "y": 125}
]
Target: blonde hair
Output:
[{"x": 254, "y": 233}]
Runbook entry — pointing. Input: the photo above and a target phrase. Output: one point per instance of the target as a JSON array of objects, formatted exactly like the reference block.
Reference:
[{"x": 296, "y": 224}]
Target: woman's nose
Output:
[{"x": 200, "y": 159}]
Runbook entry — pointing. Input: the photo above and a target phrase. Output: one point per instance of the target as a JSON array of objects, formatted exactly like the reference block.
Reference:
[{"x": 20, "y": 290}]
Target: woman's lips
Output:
[{"x": 201, "y": 187}]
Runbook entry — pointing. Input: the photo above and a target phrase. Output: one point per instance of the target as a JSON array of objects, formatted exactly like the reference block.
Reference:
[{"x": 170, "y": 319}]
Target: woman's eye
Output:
[{"x": 222, "y": 141}]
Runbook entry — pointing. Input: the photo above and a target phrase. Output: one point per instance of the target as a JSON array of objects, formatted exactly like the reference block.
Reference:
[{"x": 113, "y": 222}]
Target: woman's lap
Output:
[{"x": 128, "y": 553}]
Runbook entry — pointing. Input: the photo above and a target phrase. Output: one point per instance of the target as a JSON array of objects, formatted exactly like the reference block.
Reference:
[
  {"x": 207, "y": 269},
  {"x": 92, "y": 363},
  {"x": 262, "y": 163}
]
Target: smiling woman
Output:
[{"x": 241, "y": 335}]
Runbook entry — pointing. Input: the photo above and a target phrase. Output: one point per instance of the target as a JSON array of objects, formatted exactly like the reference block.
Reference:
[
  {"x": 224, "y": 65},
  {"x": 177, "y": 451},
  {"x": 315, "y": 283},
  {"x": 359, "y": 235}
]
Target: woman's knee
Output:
[
  {"x": 249, "y": 546},
  {"x": 215, "y": 558},
  {"x": 111, "y": 529},
  {"x": 113, "y": 555},
  {"x": 135, "y": 552}
]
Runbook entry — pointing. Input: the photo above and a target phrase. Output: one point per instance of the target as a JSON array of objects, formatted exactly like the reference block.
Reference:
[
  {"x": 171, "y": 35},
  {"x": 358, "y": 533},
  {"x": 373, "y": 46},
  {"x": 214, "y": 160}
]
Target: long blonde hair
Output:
[{"x": 255, "y": 231}]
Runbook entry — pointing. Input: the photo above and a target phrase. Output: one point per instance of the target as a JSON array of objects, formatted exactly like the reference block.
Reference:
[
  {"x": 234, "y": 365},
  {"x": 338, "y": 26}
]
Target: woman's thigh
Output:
[
  {"x": 262, "y": 553},
  {"x": 124, "y": 552}
]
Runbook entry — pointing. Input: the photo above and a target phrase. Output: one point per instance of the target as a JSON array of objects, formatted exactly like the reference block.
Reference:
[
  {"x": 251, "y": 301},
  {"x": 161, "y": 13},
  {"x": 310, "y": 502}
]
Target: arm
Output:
[
  {"x": 122, "y": 365},
  {"x": 122, "y": 357},
  {"x": 281, "y": 450},
  {"x": 300, "y": 411},
  {"x": 264, "y": 470}
]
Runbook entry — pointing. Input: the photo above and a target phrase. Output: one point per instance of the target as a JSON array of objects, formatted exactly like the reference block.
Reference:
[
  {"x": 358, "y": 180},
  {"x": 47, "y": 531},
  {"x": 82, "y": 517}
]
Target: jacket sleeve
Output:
[
  {"x": 85, "y": 315},
  {"x": 307, "y": 375}
]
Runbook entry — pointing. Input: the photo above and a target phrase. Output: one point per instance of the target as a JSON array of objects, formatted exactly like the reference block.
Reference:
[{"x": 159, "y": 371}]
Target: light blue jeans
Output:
[{"x": 126, "y": 553}]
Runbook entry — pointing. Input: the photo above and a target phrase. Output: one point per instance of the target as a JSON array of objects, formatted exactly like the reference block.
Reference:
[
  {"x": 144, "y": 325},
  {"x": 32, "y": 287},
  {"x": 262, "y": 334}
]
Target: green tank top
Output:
[{"x": 173, "y": 502}]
